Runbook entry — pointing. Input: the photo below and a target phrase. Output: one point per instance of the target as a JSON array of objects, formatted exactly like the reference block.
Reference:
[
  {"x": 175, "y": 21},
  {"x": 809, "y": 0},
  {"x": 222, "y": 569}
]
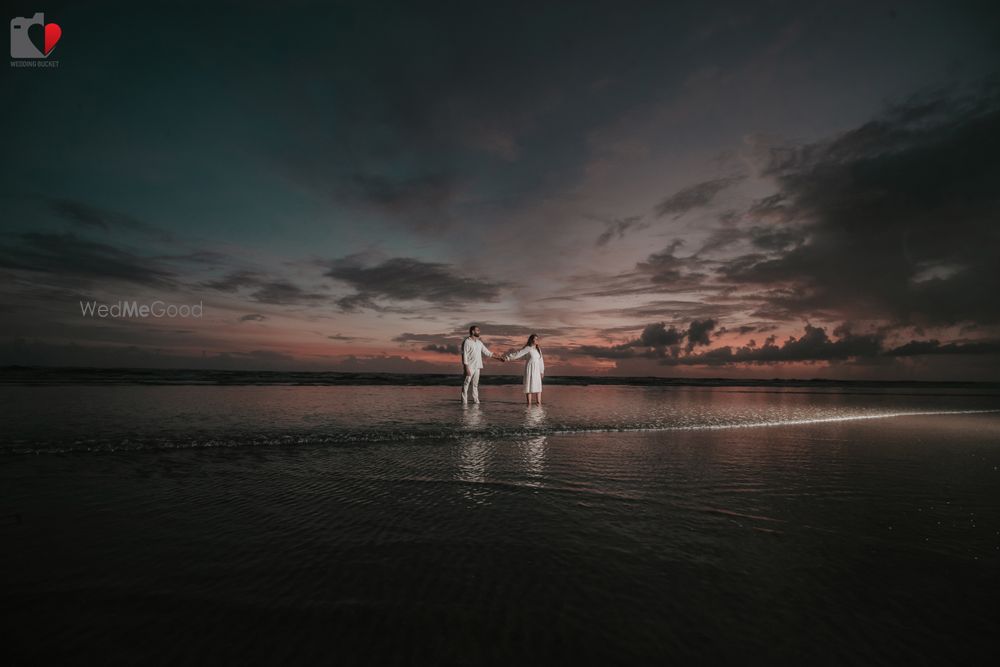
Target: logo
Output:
[{"x": 27, "y": 35}]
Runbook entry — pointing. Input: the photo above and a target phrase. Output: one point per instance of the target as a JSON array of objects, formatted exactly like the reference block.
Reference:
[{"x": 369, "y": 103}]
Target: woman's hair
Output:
[{"x": 531, "y": 343}]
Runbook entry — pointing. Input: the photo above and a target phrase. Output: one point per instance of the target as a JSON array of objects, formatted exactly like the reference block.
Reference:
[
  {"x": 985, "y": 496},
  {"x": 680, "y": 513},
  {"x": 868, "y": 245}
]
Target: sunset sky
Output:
[{"x": 702, "y": 189}]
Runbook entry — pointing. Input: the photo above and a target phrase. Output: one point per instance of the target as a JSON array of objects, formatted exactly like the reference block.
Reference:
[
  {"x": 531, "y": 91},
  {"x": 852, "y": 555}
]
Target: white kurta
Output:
[
  {"x": 473, "y": 350},
  {"x": 534, "y": 366}
]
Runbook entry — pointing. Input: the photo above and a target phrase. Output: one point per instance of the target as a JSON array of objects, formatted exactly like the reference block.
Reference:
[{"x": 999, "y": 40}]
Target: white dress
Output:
[{"x": 534, "y": 366}]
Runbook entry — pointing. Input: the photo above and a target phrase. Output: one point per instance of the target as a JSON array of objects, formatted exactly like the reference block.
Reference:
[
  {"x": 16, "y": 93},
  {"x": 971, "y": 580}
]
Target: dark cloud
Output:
[
  {"x": 658, "y": 335},
  {"x": 264, "y": 289},
  {"x": 894, "y": 220},
  {"x": 343, "y": 338},
  {"x": 234, "y": 280},
  {"x": 695, "y": 196},
  {"x": 760, "y": 237},
  {"x": 86, "y": 215},
  {"x": 253, "y": 317},
  {"x": 699, "y": 333},
  {"x": 741, "y": 330},
  {"x": 722, "y": 238},
  {"x": 661, "y": 272},
  {"x": 675, "y": 309},
  {"x": 283, "y": 293},
  {"x": 659, "y": 342},
  {"x": 665, "y": 268},
  {"x": 655, "y": 341},
  {"x": 71, "y": 256},
  {"x": 617, "y": 229},
  {"x": 407, "y": 279},
  {"x": 442, "y": 349},
  {"x": 814, "y": 345},
  {"x": 934, "y": 347},
  {"x": 775, "y": 238}
]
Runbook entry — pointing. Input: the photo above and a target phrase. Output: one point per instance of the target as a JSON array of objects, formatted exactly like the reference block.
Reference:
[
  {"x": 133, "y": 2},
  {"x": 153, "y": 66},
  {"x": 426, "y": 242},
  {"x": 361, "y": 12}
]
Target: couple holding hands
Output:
[{"x": 473, "y": 351}]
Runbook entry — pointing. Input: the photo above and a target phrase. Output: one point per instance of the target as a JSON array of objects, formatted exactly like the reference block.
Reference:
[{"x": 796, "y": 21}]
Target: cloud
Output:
[
  {"x": 893, "y": 220},
  {"x": 813, "y": 345},
  {"x": 234, "y": 280},
  {"x": 695, "y": 196},
  {"x": 618, "y": 228},
  {"x": 935, "y": 347},
  {"x": 342, "y": 337},
  {"x": 442, "y": 349},
  {"x": 69, "y": 255},
  {"x": 675, "y": 308},
  {"x": 655, "y": 341},
  {"x": 657, "y": 335},
  {"x": 759, "y": 237},
  {"x": 264, "y": 289},
  {"x": 86, "y": 215},
  {"x": 282, "y": 292},
  {"x": 253, "y": 317},
  {"x": 661, "y": 272},
  {"x": 698, "y": 333},
  {"x": 407, "y": 279},
  {"x": 742, "y": 330}
]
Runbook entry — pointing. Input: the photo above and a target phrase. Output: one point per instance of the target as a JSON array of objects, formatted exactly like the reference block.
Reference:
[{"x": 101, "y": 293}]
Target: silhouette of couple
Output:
[{"x": 473, "y": 351}]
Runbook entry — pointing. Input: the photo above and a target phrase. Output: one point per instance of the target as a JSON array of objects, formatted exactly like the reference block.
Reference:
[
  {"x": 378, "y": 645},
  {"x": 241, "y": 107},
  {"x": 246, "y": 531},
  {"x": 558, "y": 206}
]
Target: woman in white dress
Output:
[{"x": 534, "y": 367}]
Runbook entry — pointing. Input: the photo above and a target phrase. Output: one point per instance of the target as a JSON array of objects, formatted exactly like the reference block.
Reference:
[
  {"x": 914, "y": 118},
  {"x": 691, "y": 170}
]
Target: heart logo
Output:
[{"x": 48, "y": 35}]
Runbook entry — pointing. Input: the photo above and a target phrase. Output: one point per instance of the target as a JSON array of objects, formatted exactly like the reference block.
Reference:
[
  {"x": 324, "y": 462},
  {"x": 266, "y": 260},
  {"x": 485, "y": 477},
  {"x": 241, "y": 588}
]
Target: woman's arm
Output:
[{"x": 517, "y": 355}]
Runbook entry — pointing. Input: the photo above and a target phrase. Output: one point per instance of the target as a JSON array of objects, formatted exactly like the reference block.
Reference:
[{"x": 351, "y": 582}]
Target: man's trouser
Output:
[{"x": 473, "y": 379}]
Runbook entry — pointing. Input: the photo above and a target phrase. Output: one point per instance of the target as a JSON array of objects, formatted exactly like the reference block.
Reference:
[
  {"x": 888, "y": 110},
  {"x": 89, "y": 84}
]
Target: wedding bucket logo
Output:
[{"x": 26, "y": 35}]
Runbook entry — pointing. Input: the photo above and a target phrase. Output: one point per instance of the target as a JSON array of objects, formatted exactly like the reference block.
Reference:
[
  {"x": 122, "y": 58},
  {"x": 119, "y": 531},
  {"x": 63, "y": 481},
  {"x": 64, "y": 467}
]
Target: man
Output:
[{"x": 472, "y": 362}]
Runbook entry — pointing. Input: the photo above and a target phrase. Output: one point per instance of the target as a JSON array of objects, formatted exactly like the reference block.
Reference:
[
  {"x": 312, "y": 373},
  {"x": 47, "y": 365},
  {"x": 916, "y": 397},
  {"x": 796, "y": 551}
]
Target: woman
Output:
[{"x": 534, "y": 368}]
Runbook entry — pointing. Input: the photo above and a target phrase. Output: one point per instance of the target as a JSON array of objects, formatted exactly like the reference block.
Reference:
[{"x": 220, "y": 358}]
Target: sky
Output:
[{"x": 681, "y": 189}]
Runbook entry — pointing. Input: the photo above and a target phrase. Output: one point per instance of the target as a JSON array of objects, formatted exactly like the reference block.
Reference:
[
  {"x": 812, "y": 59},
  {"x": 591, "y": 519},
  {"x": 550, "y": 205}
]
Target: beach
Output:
[{"x": 388, "y": 525}]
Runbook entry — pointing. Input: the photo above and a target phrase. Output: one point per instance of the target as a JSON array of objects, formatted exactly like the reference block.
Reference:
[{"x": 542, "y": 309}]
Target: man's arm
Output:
[{"x": 465, "y": 358}]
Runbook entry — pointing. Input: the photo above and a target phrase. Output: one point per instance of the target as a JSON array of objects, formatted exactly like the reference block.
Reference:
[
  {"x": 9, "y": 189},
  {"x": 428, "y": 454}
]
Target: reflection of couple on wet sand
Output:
[{"x": 473, "y": 351}]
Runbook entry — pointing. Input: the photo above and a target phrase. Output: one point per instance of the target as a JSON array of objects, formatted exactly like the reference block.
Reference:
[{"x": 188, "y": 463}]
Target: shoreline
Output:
[{"x": 79, "y": 376}]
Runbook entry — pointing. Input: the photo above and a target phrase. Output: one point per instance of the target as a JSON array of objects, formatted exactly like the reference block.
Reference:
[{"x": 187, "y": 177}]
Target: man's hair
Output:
[{"x": 472, "y": 327}]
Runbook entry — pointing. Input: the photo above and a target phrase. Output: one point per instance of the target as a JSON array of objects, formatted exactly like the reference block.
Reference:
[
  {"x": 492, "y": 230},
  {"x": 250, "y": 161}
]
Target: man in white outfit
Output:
[{"x": 472, "y": 362}]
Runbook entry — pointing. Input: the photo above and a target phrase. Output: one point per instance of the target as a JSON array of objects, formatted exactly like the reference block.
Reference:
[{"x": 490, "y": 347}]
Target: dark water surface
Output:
[{"x": 387, "y": 525}]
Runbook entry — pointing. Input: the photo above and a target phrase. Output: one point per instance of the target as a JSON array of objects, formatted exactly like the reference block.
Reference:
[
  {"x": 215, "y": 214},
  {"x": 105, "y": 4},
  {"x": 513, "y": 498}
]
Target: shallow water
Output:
[
  {"x": 76, "y": 418},
  {"x": 263, "y": 525}
]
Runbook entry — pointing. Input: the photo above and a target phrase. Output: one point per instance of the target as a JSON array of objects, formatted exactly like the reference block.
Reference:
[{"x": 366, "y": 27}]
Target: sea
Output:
[{"x": 198, "y": 517}]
